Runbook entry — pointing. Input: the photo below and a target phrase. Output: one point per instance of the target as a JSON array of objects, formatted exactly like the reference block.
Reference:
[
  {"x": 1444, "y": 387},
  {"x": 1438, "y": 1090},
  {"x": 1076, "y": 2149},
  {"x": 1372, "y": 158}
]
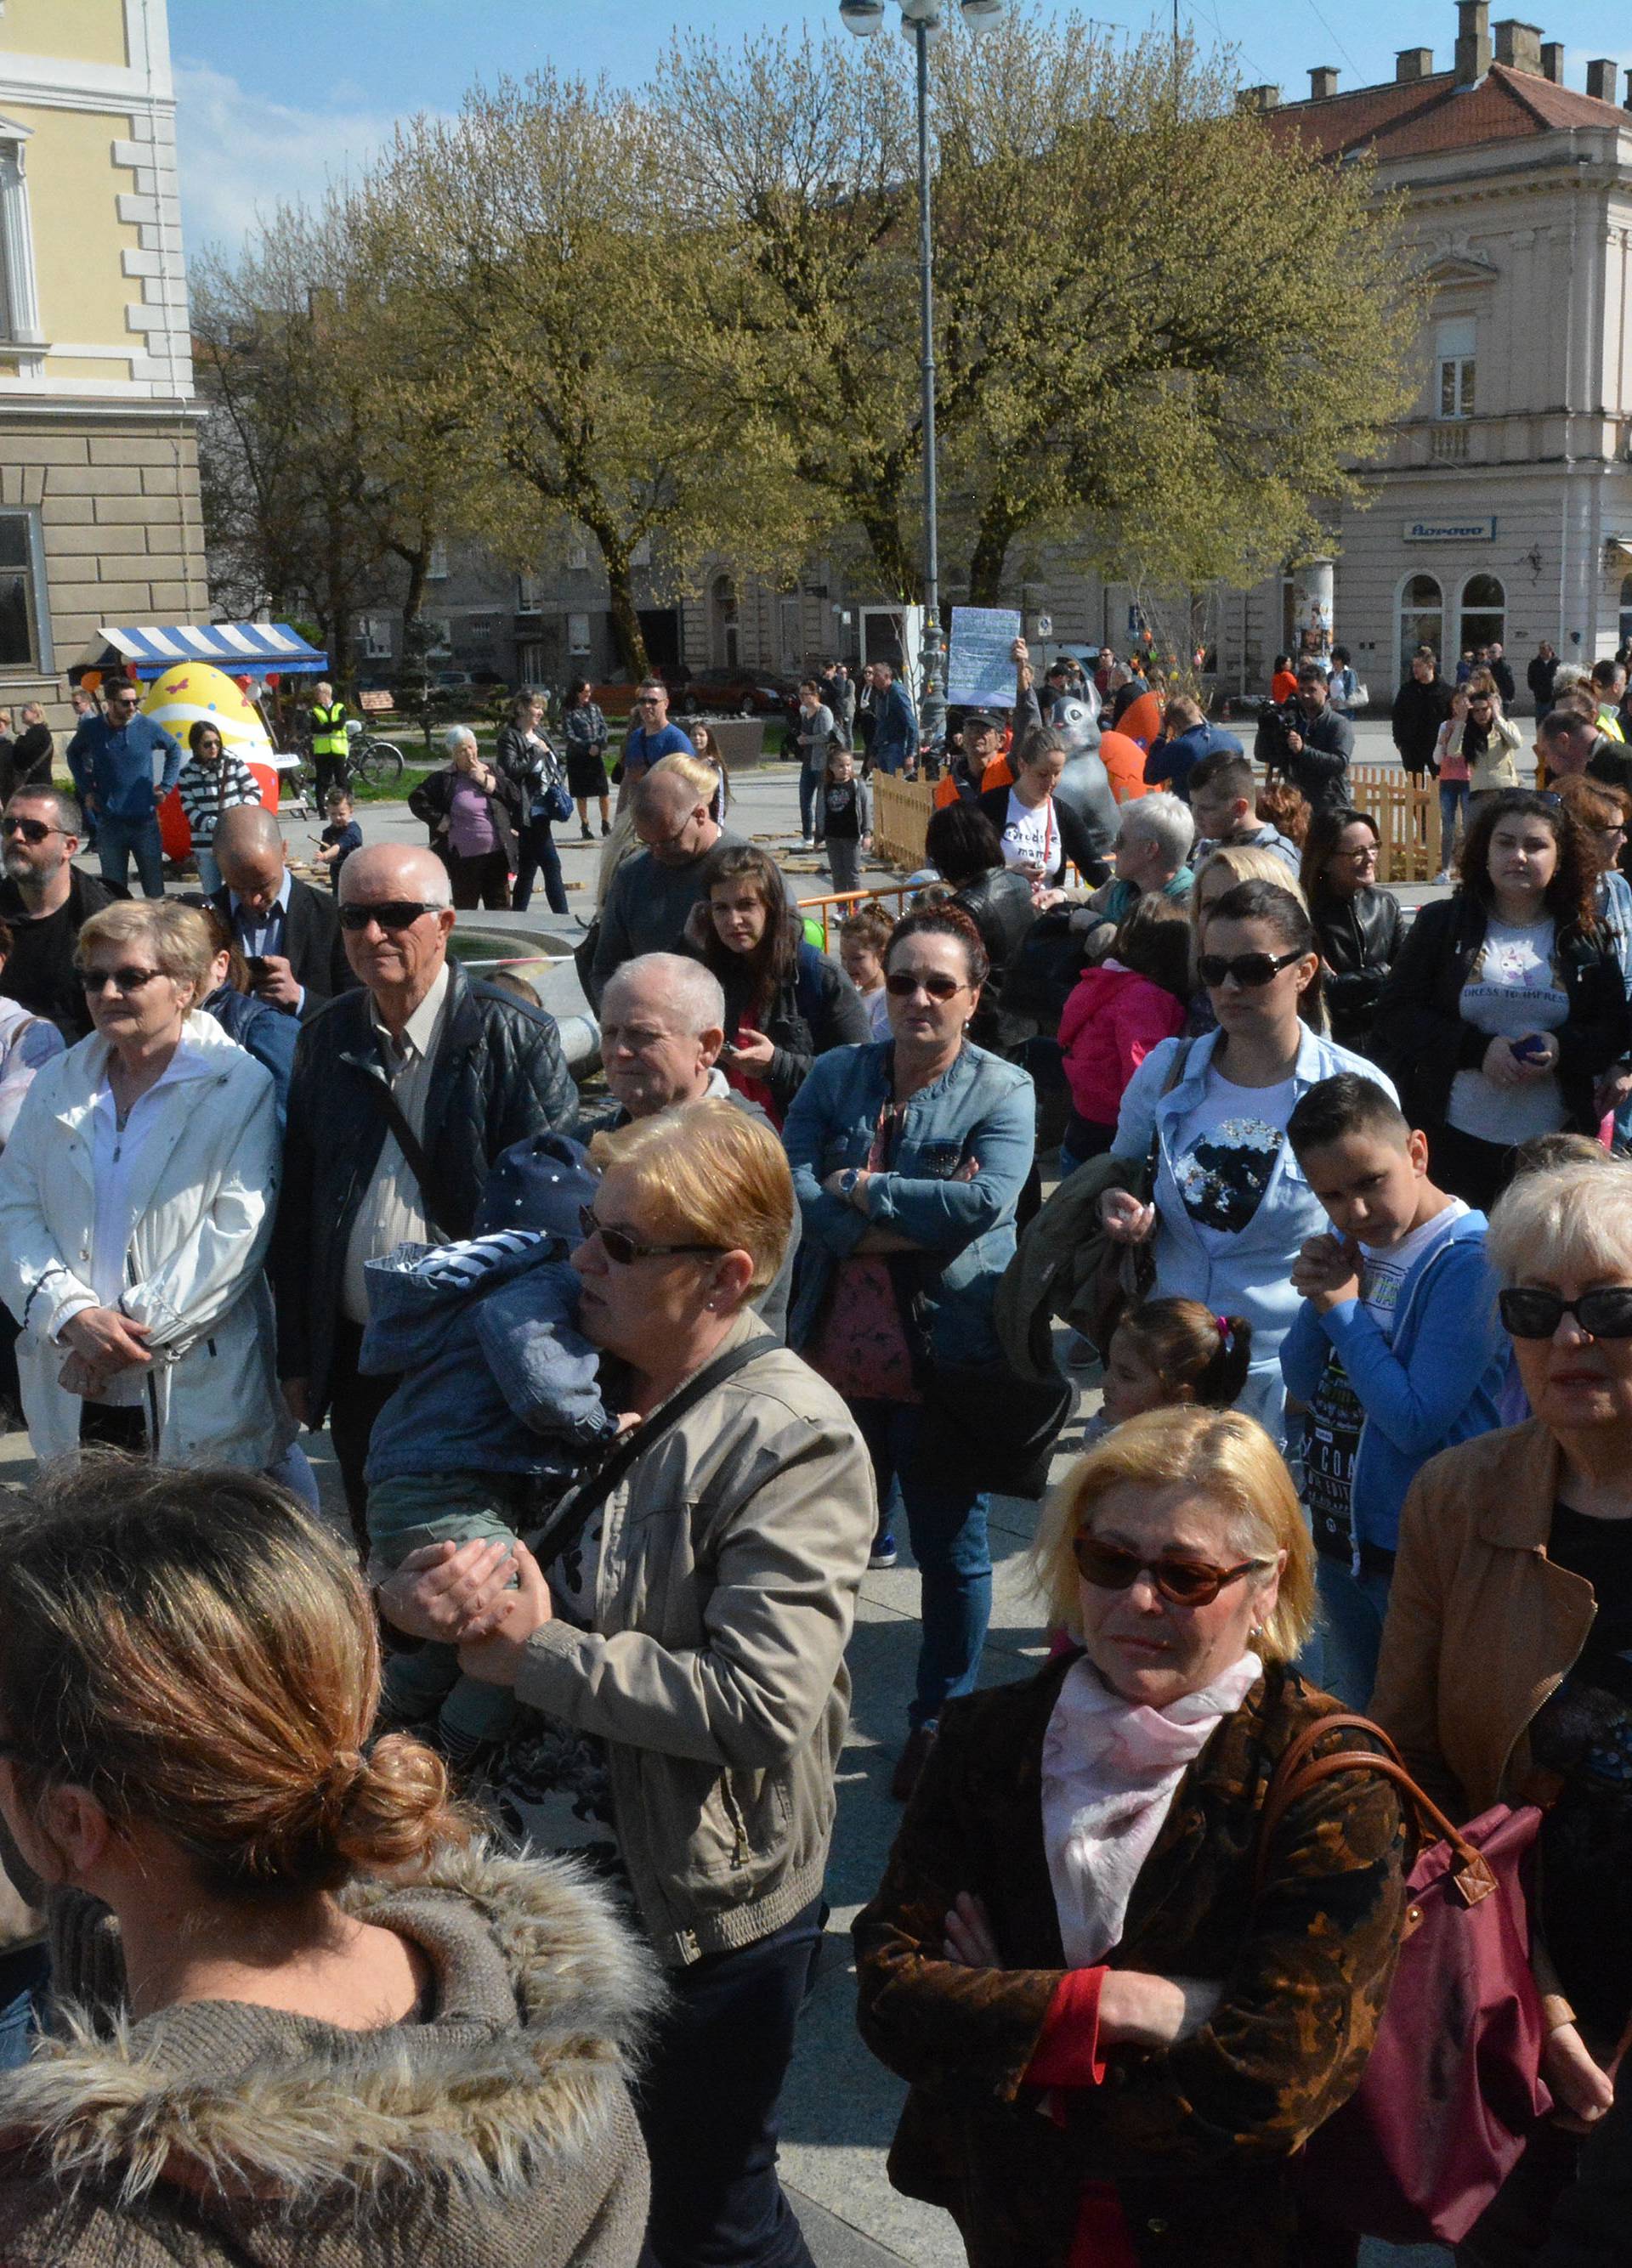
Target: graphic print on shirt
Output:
[
  {"x": 1223, "y": 1176},
  {"x": 1331, "y": 1444}
]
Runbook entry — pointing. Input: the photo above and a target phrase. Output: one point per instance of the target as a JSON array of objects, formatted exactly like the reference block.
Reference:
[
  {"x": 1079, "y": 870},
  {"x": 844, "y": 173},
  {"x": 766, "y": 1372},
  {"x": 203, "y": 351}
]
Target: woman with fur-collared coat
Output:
[
  {"x": 1115, "y": 2041},
  {"x": 303, "y": 2021}
]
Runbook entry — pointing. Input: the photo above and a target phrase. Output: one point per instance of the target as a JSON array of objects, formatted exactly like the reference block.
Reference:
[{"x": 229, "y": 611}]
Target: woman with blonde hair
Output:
[
  {"x": 136, "y": 1196},
  {"x": 311, "y": 2018},
  {"x": 705, "y": 1651},
  {"x": 1081, "y": 1914}
]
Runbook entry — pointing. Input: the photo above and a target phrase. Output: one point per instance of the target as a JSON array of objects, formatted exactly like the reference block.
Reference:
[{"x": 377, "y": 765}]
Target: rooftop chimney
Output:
[
  {"x": 1322, "y": 82},
  {"x": 1601, "y": 78},
  {"x": 1472, "y": 40},
  {"x": 1628, "y": 104},
  {"x": 1518, "y": 45},
  {"x": 1553, "y": 61},
  {"x": 1413, "y": 63},
  {"x": 1259, "y": 98}
]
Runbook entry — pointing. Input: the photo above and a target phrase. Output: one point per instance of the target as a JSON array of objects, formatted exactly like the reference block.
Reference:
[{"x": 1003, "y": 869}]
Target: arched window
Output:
[
  {"x": 1484, "y": 613},
  {"x": 724, "y": 644},
  {"x": 1422, "y": 620}
]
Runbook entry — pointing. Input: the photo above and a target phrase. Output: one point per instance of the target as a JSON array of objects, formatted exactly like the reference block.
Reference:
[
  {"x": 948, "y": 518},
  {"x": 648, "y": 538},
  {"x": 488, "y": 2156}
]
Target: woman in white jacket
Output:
[{"x": 137, "y": 1196}]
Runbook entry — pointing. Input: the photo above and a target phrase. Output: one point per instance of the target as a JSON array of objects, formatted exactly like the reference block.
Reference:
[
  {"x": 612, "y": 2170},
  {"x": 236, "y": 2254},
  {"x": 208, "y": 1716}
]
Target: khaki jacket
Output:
[
  {"x": 1482, "y": 1626},
  {"x": 731, "y": 1555}
]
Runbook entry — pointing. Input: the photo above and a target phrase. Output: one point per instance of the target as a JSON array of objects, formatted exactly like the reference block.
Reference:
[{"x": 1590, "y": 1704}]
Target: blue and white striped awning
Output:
[{"x": 232, "y": 646}]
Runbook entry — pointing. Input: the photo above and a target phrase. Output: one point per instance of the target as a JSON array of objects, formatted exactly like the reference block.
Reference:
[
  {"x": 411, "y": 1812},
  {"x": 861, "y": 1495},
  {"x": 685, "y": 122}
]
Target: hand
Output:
[
  {"x": 1294, "y": 744},
  {"x": 298, "y": 1399},
  {"x": 754, "y": 1053},
  {"x": 495, "y": 1639},
  {"x": 1138, "y": 2010},
  {"x": 1126, "y": 1221},
  {"x": 1327, "y": 1271},
  {"x": 87, "y": 1380},
  {"x": 1543, "y": 1061},
  {"x": 969, "y": 1939},
  {"x": 1580, "y": 2092},
  {"x": 438, "y": 1589},
  {"x": 107, "y": 1341},
  {"x": 275, "y": 982},
  {"x": 1020, "y": 653},
  {"x": 1044, "y": 901},
  {"x": 698, "y": 925},
  {"x": 1502, "y": 1067},
  {"x": 867, "y": 841},
  {"x": 969, "y": 1171},
  {"x": 1612, "y": 1090}
]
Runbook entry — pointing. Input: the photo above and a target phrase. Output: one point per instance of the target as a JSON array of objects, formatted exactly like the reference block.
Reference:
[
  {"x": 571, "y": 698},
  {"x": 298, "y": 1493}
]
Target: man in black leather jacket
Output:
[
  {"x": 1309, "y": 743},
  {"x": 471, "y": 1069}
]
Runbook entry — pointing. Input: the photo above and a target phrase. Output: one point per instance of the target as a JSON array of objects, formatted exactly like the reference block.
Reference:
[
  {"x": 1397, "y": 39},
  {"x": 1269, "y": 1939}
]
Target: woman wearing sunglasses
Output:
[
  {"x": 1114, "y": 2039},
  {"x": 136, "y": 1207},
  {"x": 1229, "y": 1206},
  {"x": 1505, "y": 1673},
  {"x": 1507, "y": 1005},
  {"x": 909, "y": 1155},
  {"x": 689, "y": 1609}
]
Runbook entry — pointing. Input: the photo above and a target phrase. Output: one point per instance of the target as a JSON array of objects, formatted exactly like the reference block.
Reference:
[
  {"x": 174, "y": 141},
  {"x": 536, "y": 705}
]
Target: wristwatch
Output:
[{"x": 847, "y": 1181}]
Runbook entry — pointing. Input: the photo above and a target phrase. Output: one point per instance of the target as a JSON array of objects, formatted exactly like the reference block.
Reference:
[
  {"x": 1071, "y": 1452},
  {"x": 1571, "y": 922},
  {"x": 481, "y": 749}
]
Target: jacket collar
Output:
[{"x": 1519, "y": 1516}]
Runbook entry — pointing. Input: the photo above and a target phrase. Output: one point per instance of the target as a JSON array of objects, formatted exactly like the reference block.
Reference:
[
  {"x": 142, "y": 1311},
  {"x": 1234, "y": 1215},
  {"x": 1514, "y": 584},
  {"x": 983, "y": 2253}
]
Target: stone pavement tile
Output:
[{"x": 834, "y": 2244}]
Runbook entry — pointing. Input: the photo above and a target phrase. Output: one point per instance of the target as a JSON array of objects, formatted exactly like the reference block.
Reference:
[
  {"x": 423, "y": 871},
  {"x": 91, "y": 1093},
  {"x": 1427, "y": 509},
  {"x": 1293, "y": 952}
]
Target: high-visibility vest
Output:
[{"x": 329, "y": 729}]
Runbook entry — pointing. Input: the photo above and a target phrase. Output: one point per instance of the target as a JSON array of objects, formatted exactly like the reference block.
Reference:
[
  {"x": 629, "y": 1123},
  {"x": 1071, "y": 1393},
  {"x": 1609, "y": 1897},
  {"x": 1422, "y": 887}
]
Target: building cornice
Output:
[{"x": 26, "y": 408}]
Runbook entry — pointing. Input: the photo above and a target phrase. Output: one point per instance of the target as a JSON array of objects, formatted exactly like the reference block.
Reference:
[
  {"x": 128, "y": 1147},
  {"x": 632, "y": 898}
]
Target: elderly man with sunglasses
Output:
[
  {"x": 404, "y": 1093},
  {"x": 111, "y": 758},
  {"x": 45, "y": 901}
]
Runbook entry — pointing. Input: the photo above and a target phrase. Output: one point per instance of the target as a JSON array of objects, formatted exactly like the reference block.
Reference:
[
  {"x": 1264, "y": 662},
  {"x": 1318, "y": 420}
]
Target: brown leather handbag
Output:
[{"x": 1453, "y": 2087}]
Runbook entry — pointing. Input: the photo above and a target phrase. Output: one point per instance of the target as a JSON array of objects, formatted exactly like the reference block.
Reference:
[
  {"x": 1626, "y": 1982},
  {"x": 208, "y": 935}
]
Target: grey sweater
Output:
[
  {"x": 646, "y": 911},
  {"x": 497, "y": 2133}
]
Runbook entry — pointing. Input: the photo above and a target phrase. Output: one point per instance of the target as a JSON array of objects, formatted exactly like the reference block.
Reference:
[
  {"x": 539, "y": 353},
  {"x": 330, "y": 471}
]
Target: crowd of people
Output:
[{"x": 449, "y": 1889}]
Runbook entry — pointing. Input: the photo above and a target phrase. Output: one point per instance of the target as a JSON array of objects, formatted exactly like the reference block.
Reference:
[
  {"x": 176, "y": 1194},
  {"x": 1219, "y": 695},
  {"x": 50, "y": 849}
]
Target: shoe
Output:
[
  {"x": 606, "y": 828},
  {"x": 586, "y": 832},
  {"x": 1444, "y": 875},
  {"x": 911, "y": 1763},
  {"x": 883, "y": 1553}
]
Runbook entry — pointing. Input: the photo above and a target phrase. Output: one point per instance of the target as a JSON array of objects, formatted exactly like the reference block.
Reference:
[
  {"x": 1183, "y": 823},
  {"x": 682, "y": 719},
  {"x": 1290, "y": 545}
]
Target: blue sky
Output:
[{"x": 271, "y": 93}]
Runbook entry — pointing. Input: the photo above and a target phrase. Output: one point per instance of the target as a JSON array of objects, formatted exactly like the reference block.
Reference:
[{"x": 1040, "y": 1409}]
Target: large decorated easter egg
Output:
[
  {"x": 186, "y": 692},
  {"x": 1125, "y": 760}
]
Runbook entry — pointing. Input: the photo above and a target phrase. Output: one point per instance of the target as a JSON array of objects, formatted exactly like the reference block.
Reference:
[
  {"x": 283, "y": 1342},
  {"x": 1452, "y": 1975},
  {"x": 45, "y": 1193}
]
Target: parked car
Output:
[{"x": 734, "y": 693}]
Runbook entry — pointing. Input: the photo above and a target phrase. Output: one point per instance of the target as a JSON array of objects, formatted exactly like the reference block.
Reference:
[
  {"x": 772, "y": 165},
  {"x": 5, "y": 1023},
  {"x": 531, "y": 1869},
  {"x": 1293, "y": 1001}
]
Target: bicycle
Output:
[{"x": 376, "y": 763}]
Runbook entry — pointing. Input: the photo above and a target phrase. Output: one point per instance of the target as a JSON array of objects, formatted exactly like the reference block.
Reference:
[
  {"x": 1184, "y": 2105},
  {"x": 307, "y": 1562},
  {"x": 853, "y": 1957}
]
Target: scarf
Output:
[{"x": 1110, "y": 1771}]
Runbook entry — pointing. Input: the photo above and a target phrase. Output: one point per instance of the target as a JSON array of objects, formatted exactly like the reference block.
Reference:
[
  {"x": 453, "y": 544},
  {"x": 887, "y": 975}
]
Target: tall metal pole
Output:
[{"x": 932, "y": 702}]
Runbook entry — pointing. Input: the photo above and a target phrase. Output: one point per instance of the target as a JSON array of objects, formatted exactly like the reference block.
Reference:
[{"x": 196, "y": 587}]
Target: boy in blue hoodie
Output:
[
  {"x": 1396, "y": 1353},
  {"x": 499, "y": 1407}
]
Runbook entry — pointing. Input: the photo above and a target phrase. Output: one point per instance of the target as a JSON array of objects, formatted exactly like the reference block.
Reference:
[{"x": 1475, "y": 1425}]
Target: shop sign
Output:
[{"x": 1451, "y": 531}]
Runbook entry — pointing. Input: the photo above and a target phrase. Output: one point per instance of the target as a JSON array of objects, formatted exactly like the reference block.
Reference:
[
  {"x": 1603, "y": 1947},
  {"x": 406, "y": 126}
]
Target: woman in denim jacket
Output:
[
  {"x": 1230, "y": 1205},
  {"x": 908, "y": 1157}
]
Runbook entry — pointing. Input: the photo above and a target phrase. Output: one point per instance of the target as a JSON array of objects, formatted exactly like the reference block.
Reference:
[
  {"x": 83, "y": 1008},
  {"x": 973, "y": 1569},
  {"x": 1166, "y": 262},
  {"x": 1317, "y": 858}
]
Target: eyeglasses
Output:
[
  {"x": 96, "y": 981},
  {"x": 621, "y": 1248},
  {"x": 1253, "y": 970},
  {"x": 905, "y": 986},
  {"x": 31, "y": 831},
  {"x": 122, "y": 701},
  {"x": 1528, "y": 1312},
  {"x": 651, "y": 701},
  {"x": 1182, "y": 1582},
  {"x": 1357, "y": 850},
  {"x": 390, "y": 913}
]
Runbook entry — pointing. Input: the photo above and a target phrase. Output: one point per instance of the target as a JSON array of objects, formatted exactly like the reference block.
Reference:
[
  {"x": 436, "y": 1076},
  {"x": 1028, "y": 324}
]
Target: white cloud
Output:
[{"x": 240, "y": 153}]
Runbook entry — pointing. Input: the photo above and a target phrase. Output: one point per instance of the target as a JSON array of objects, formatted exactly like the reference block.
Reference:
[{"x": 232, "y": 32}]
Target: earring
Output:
[{"x": 1257, "y": 1630}]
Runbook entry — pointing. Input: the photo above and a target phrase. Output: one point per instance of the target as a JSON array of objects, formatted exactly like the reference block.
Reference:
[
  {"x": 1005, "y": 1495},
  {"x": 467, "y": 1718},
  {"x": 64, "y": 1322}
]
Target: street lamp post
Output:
[{"x": 922, "y": 19}]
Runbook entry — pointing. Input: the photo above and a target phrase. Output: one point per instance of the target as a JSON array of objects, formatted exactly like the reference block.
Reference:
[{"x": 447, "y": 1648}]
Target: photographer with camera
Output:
[{"x": 1308, "y": 742}]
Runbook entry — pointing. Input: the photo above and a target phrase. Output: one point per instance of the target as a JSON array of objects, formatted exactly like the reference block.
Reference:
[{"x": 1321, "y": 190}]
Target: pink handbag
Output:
[{"x": 1453, "y": 2087}]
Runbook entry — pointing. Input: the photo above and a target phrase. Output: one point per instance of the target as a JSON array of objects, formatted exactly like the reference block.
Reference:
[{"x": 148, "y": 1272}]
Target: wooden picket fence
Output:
[{"x": 901, "y": 812}]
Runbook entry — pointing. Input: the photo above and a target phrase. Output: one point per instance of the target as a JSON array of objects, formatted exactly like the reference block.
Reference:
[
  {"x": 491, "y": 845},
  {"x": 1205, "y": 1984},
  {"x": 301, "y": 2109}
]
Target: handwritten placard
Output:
[{"x": 980, "y": 673}]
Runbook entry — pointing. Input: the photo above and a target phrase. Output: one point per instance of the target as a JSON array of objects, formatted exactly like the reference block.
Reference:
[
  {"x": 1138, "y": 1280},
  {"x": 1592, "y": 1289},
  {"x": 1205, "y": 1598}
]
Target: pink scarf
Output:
[{"x": 1109, "y": 1770}]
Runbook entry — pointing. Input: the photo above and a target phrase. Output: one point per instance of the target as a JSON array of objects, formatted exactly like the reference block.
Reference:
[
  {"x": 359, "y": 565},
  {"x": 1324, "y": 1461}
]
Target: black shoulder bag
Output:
[
  {"x": 574, "y": 1517},
  {"x": 407, "y": 1141}
]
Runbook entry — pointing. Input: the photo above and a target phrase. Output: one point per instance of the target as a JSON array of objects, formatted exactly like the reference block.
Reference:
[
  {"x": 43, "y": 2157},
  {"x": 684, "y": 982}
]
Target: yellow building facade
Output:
[{"x": 100, "y": 519}]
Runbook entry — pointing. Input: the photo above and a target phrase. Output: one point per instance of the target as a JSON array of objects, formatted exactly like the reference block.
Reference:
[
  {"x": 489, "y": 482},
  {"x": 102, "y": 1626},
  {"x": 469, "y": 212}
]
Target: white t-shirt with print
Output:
[
  {"x": 1224, "y": 1152},
  {"x": 1510, "y": 990},
  {"x": 1031, "y": 837}
]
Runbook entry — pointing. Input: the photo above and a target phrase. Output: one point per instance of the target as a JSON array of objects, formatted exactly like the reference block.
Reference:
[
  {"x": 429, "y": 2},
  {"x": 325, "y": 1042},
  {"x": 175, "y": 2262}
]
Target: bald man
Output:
[
  {"x": 289, "y": 933},
  {"x": 405, "y": 1091}
]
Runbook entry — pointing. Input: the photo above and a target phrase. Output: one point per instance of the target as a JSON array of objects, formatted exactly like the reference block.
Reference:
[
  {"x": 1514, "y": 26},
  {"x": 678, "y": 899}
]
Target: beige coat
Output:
[
  {"x": 731, "y": 1555},
  {"x": 498, "y": 2133},
  {"x": 1482, "y": 1626}
]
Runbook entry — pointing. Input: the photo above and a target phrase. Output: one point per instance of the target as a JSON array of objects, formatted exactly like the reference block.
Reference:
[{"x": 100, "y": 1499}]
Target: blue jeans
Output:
[
  {"x": 536, "y": 854},
  {"x": 118, "y": 841},
  {"x": 209, "y": 872},
  {"x": 1453, "y": 798},
  {"x": 946, "y": 1529},
  {"x": 809, "y": 789},
  {"x": 25, "y": 1973},
  {"x": 1341, "y": 1656}
]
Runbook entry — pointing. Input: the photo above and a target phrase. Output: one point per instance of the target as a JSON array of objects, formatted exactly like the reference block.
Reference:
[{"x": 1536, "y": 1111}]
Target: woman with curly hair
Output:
[
  {"x": 1506, "y": 1005},
  {"x": 312, "y": 2020}
]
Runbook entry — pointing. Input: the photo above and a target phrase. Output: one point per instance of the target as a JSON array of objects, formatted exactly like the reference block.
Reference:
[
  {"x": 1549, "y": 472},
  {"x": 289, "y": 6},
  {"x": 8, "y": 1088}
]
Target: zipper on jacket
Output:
[{"x": 740, "y": 1851}]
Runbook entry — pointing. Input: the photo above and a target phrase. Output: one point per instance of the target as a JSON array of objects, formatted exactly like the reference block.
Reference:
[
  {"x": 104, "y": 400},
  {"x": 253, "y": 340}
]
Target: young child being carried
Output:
[
  {"x": 1133, "y": 1000},
  {"x": 498, "y": 1410},
  {"x": 1396, "y": 1353}
]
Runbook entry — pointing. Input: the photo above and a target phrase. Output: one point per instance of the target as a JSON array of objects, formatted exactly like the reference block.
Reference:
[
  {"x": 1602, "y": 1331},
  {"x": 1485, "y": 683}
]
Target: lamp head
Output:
[{"x": 861, "y": 16}]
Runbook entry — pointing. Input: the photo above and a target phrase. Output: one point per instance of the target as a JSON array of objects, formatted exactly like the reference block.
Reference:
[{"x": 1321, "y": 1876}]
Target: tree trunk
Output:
[
  {"x": 986, "y": 562},
  {"x": 626, "y": 616}
]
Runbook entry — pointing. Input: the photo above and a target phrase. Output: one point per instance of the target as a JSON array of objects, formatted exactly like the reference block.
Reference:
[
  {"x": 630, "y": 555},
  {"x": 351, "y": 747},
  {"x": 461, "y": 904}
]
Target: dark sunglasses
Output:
[
  {"x": 1528, "y": 1314},
  {"x": 621, "y": 1248},
  {"x": 1182, "y": 1582},
  {"x": 96, "y": 981},
  {"x": 31, "y": 831},
  {"x": 390, "y": 913},
  {"x": 1251, "y": 970},
  {"x": 939, "y": 987}
]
